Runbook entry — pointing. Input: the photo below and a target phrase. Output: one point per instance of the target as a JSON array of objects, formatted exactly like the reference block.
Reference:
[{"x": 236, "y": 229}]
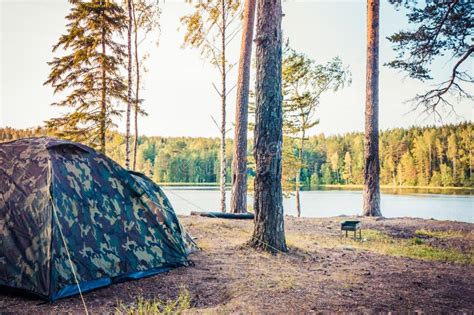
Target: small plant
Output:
[
  {"x": 416, "y": 241},
  {"x": 286, "y": 282},
  {"x": 156, "y": 306}
]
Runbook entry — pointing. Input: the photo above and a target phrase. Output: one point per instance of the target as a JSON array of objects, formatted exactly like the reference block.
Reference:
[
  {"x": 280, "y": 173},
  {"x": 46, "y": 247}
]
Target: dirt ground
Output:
[{"x": 322, "y": 272}]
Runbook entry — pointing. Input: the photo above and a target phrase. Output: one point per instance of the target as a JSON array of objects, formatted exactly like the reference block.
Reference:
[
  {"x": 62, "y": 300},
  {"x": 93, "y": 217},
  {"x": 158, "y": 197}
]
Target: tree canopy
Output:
[{"x": 441, "y": 28}]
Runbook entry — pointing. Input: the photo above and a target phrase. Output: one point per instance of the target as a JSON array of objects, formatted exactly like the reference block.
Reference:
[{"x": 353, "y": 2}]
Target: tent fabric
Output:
[{"x": 65, "y": 209}]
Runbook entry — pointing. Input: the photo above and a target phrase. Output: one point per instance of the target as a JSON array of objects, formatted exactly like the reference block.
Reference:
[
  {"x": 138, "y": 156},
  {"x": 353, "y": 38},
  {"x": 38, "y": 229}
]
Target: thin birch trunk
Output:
[
  {"x": 223, "y": 166},
  {"x": 137, "y": 89},
  {"x": 129, "y": 91}
]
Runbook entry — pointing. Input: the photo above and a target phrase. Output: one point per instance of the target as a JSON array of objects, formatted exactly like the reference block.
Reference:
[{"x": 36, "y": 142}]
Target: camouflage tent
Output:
[{"x": 72, "y": 219}]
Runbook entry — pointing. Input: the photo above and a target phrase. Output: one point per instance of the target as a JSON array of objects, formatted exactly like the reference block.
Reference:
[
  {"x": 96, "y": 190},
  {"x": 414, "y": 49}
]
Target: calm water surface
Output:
[{"x": 327, "y": 203}]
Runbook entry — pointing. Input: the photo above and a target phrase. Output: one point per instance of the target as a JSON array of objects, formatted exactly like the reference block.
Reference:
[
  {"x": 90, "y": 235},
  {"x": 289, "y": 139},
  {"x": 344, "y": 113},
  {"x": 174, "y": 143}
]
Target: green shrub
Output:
[{"x": 156, "y": 306}]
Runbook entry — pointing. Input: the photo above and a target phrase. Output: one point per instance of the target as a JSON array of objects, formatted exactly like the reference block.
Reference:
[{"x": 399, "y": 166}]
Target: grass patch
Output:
[
  {"x": 414, "y": 248},
  {"x": 445, "y": 234},
  {"x": 347, "y": 280},
  {"x": 286, "y": 282},
  {"x": 385, "y": 244},
  {"x": 204, "y": 244},
  {"x": 157, "y": 307}
]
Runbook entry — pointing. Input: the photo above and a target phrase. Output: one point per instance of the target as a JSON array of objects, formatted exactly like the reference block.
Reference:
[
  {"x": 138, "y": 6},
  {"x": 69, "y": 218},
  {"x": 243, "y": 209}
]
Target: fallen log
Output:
[{"x": 224, "y": 215}]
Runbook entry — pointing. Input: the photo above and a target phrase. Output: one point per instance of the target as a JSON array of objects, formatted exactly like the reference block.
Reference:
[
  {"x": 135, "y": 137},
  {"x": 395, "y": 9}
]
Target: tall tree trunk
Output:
[
  {"x": 137, "y": 88},
  {"x": 129, "y": 92},
  {"x": 298, "y": 174},
  {"x": 470, "y": 163},
  {"x": 238, "y": 202},
  {"x": 431, "y": 161},
  {"x": 223, "y": 110},
  {"x": 454, "y": 169},
  {"x": 269, "y": 232},
  {"x": 350, "y": 172},
  {"x": 371, "y": 145},
  {"x": 103, "y": 98}
]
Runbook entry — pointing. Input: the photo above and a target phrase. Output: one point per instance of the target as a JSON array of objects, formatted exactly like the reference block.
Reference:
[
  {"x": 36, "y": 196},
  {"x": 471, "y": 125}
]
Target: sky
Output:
[{"x": 178, "y": 92}]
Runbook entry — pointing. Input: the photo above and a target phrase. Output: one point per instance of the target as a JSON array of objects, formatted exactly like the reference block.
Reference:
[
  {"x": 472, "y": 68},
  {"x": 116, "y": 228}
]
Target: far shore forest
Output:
[{"x": 429, "y": 156}]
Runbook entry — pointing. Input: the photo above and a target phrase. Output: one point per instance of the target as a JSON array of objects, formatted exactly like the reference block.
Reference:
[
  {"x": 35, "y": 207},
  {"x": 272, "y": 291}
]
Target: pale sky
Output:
[{"x": 178, "y": 93}]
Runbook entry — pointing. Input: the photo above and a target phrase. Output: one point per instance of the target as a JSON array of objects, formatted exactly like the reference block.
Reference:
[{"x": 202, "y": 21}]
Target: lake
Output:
[{"x": 329, "y": 202}]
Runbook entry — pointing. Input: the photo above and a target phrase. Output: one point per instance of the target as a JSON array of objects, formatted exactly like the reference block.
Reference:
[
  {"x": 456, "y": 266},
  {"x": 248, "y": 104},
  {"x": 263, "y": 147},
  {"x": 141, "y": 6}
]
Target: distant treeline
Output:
[{"x": 428, "y": 156}]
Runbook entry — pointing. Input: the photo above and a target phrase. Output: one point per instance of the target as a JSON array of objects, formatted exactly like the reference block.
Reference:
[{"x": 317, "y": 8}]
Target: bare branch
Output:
[
  {"x": 230, "y": 90},
  {"x": 217, "y": 90},
  {"x": 433, "y": 98},
  {"x": 215, "y": 122}
]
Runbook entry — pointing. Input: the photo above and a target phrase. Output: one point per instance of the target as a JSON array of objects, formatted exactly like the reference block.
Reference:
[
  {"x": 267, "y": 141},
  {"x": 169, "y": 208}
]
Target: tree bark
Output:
[
  {"x": 223, "y": 170},
  {"x": 137, "y": 89},
  {"x": 103, "y": 98},
  {"x": 129, "y": 92},
  {"x": 269, "y": 231},
  {"x": 371, "y": 145},
  {"x": 238, "y": 202}
]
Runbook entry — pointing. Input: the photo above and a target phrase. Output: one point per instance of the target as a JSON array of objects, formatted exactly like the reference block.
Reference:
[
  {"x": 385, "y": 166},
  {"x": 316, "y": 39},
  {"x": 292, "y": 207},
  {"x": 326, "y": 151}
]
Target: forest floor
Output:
[{"x": 402, "y": 265}]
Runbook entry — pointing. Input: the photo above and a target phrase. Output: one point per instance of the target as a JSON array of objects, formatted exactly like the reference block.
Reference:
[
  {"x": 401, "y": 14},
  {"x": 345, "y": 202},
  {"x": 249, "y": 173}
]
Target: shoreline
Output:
[{"x": 322, "y": 187}]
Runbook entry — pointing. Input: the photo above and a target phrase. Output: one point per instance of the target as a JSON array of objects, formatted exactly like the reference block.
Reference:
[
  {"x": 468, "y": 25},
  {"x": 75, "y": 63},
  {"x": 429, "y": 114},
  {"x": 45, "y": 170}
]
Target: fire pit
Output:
[{"x": 352, "y": 226}]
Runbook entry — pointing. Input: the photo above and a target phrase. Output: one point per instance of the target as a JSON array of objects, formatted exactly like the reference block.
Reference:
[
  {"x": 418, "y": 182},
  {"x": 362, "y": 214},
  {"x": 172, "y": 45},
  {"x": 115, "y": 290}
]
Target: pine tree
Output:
[
  {"x": 372, "y": 163},
  {"x": 452, "y": 154},
  {"x": 269, "y": 231},
  {"x": 238, "y": 202},
  {"x": 407, "y": 170},
  {"x": 89, "y": 72},
  {"x": 303, "y": 83}
]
